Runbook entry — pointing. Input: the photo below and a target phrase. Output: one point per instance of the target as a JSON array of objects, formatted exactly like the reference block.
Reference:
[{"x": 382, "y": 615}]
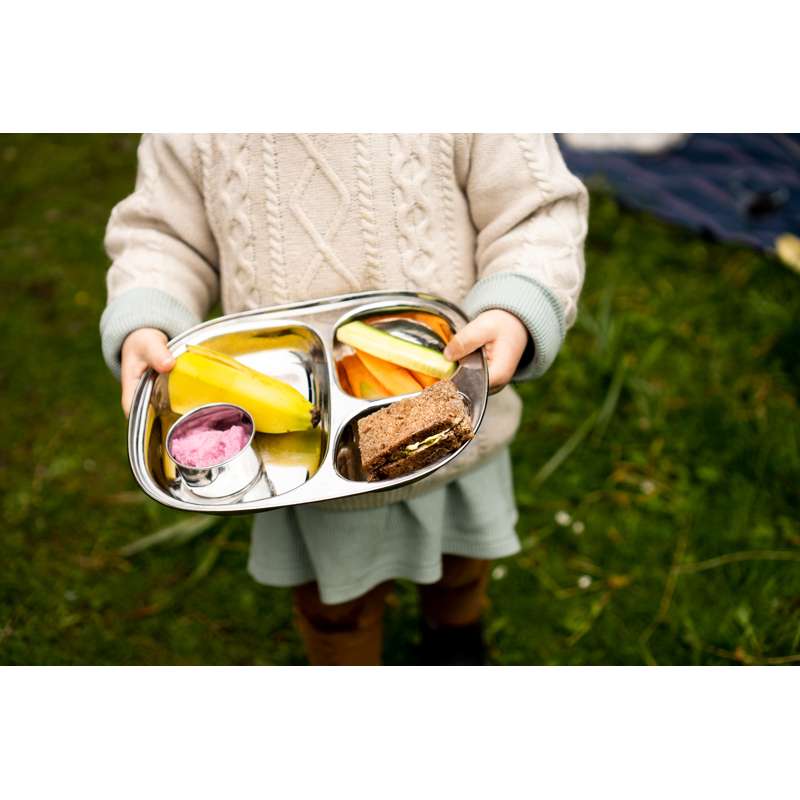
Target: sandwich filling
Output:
[
  {"x": 426, "y": 443},
  {"x": 418, "y": 447}
]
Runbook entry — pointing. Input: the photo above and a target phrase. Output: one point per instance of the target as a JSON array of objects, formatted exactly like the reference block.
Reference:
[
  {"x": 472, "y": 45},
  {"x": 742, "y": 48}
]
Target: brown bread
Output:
[{"x": 384, "y": 435}]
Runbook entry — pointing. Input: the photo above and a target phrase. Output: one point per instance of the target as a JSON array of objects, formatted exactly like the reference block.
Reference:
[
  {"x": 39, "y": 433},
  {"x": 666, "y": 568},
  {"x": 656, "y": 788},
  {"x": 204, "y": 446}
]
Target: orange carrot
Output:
[
  {"x": 435, "y": 323},
  {"x": 397, "y": 380},
  {"x": 362, "y": 382},
  {"x": 344, "y": 381},
  {"x": 425, "y": 380}
]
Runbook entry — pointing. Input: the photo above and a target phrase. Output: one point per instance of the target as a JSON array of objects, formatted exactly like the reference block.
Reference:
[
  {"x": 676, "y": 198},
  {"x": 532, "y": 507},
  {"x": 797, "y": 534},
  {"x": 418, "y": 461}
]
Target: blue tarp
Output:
[{"x": 736, "y": 187}]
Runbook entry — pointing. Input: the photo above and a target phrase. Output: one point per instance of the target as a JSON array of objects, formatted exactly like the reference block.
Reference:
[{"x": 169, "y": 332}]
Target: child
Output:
[{"x": 492, "y": 222}]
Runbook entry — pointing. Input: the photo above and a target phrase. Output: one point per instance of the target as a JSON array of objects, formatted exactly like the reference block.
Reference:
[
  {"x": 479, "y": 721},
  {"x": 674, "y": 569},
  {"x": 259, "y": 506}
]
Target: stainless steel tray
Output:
[{"x": 296, "y": 344}]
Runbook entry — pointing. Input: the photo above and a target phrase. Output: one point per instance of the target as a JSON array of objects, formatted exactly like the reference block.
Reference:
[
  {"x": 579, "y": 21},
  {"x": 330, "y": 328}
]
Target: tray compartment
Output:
[
  {"x": 292, "y": 353},
  {"x": 341, "y": 350},
  {"x": 347, "y": 461}
]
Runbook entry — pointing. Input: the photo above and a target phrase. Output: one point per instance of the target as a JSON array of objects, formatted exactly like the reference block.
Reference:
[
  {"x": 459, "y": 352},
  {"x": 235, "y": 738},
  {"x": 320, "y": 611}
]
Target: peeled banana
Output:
[{"x": 201, "y": 376}]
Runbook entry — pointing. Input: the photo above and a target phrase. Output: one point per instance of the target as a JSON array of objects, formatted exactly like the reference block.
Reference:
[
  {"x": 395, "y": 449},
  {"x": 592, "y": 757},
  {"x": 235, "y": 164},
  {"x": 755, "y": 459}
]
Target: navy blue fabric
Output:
[{"x": 736, "y": 187}]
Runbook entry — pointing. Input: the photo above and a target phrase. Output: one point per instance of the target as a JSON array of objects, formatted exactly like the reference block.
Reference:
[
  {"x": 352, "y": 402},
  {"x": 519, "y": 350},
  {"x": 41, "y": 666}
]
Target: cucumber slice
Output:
[{"x": 399, "y": 351}]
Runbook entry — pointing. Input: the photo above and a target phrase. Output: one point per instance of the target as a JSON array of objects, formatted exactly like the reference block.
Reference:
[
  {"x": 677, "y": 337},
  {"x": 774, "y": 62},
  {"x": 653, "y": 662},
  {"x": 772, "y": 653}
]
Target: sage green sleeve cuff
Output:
[
  {"x": 141, "y": 308},
  {"x": 534, "y": 304}
]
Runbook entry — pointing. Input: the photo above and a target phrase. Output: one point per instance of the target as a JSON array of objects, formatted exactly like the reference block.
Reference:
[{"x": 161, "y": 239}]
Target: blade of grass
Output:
[
  {"x": 742, "y": 555},
  {"x": 201, "y": 571},
  {"x": 666, "y": 598},
  {"x": 601, "y": 415},
  {"x": 564, "y": 452},
  {"x": 588, "y": 624},
  {"x": 610, "y": 403},
  {"x": 179, "y": 533}
]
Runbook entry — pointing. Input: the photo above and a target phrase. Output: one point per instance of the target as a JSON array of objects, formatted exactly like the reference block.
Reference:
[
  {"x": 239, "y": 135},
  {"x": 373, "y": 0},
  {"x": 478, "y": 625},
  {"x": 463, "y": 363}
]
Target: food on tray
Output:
[
  {"x": 206, "y": 446},
  {"x": 362, "y": 383},
  {"x": 202, "y": 375},
  {"x": 380, "y": 344},
  {"x": 435, "y": 323},
  {"x": 237, "y": 344},
  {"x": 396, "y": 379},
  {"x": 296, "y": 449},
  {"x": 392, "y": 363},
  {"x": 167, "y": 464},
  {"x": 344, "y": 380},
  {"x": 423, "y": 380},
  {"x": 414, "y": 432}
]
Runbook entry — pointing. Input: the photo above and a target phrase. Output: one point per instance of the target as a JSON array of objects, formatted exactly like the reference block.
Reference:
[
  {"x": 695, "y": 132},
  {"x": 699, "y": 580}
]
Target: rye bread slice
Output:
[{"x": 383, "y": 436}]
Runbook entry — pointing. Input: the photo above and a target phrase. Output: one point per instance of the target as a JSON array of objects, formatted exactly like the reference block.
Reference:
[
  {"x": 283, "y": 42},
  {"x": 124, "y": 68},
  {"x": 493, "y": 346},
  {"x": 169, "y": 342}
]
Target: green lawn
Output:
[{"x": 667, "y": 438}]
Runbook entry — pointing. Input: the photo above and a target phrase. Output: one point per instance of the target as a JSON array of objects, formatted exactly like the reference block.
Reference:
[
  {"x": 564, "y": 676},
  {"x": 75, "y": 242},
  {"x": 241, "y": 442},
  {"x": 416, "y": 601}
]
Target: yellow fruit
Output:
[
  {"x": 297, "y": 449},
  {"x": 166, "y": 420},
  {"x": 235, "y": 344},
  {"x": 201, "y": 376}
]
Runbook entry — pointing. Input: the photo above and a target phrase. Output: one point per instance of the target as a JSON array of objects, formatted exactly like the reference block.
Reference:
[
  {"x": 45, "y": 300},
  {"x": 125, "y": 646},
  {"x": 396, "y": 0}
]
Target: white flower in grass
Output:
[
  {"x": 647, "y": 487},
  {"x": 499, "y": 572},
  {"x": 563, "y": 518},
  {"x": 585, "y": 581},
  {"x": 578, "y": 527}
]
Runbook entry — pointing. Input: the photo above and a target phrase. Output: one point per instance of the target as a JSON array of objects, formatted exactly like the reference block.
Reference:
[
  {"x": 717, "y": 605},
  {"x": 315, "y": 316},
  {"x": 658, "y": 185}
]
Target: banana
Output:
[
  {"x": 298, "y": 449},
  {"x": 201, "y": 376}
]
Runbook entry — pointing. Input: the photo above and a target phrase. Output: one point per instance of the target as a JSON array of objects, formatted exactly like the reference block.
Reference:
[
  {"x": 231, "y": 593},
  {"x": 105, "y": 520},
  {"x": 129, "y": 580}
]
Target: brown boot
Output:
[
  {"x": 341, "y": 634},
  {"x": 452, "y": 632}
]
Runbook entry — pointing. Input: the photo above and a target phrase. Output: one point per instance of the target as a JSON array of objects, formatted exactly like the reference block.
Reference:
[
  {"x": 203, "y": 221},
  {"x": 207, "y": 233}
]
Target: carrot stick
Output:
[
  {"x": 362, "y": 382},
  {"x": 424, "y": 380},
  {"x": 397, "y": 380}
]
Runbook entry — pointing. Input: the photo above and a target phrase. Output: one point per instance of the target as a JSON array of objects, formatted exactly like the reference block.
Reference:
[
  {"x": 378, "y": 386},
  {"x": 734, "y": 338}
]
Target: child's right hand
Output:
[{"x": 146, "y": 347}]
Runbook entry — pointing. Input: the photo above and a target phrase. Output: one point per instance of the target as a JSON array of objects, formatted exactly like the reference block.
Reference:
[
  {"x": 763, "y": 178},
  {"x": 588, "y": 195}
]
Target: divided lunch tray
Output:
[{"x": 295, "y": 343}]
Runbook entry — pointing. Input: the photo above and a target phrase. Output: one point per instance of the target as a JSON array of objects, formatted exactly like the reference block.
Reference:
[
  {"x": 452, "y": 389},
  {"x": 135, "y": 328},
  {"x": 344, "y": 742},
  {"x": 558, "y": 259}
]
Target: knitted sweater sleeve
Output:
[
  {"x": 164, "y": 257},
  {"x": 531, "y": 216}
]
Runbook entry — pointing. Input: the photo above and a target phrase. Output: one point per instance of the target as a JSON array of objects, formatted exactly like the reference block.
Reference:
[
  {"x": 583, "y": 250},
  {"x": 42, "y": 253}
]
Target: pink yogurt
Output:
[{"x": 207, "y": 447}]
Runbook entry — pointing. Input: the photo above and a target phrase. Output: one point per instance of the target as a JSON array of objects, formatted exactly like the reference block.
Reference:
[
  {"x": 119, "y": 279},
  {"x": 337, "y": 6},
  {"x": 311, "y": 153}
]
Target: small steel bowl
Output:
[{"x": 233, "y": 476}]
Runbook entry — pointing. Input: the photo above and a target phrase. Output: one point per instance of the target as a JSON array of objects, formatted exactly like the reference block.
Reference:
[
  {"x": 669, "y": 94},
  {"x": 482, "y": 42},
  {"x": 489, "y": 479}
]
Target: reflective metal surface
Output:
[
  {"x": 411, "y": 331},
  {"x": 295, "y": 343},
  {"x": 226, "y": 478}
]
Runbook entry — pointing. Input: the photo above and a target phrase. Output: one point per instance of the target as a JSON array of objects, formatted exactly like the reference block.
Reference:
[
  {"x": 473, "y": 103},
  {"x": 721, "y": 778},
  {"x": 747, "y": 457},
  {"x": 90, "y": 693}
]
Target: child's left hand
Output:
[{"x": 503, "y": 336}]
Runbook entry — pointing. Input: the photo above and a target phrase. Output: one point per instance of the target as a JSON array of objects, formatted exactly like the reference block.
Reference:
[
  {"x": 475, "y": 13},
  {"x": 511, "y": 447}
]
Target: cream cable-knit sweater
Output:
[{"x": 483, "y": 220}]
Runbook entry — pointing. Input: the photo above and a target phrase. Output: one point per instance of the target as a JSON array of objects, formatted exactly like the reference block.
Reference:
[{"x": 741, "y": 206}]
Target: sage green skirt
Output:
[{"x": 349, "y": 552}]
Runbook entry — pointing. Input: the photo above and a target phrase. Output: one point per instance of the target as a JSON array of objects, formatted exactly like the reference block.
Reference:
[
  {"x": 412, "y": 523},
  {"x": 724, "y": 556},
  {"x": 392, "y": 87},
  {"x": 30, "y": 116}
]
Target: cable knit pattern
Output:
[
  {"x": 322, "y": 241},
  {"x": 444, "y": 164},
  {"x": 142, "y": 205},
  {"x": 150, "y": 174},
  {"x": 235, "y": 200},
  {"x": 203, "y": 148},
  {"x": 277, "y": 268},
  {"x": 328, "y": 214},
  {"x": 555, "y": 227},
  {"x": 537, "y": 168},
  {"x": 411, "y": 170},
  {"x": 366, "y": 212},
  {"x": 345, "y": 212}
]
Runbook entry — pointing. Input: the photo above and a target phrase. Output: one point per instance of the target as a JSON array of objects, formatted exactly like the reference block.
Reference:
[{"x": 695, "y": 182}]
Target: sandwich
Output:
[{"x": 414, "y": 432}]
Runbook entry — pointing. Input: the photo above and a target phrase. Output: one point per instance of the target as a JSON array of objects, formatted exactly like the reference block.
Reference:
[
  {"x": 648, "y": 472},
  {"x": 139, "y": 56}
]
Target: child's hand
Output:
[
  {"x": 504, "y": 337},
  {"x": 146, "y": 347}
]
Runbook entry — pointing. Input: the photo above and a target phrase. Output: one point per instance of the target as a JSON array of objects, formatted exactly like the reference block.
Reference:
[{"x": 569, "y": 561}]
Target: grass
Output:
[{"x": 657, "y": 468}]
